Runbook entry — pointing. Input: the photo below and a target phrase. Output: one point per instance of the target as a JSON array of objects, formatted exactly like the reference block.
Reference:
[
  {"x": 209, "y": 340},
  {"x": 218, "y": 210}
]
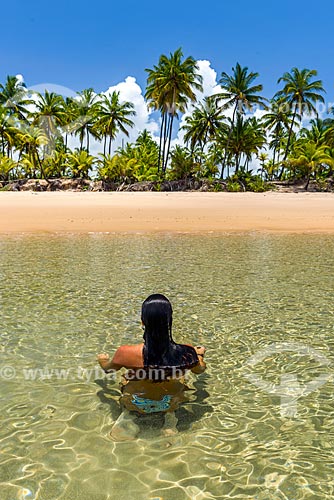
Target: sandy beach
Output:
[{"x": 76, "y": 212}]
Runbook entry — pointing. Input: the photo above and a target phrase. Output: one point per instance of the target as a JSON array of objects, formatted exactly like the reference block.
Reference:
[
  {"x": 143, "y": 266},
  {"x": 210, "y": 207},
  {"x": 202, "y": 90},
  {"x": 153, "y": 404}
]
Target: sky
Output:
[
  {"x": 80, "y": 44},
  {"x": 101, "y": 44}
]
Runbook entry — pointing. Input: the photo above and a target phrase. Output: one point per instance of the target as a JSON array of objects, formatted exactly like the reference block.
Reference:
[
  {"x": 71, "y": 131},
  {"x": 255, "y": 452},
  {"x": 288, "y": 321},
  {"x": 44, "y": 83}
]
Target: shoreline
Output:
[{"x": 165, "y": 212}]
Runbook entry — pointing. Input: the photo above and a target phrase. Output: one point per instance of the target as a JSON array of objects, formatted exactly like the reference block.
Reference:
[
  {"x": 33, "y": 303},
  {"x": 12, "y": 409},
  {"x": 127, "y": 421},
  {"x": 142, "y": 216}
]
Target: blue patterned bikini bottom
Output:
[{"x": 151, "y": 405}]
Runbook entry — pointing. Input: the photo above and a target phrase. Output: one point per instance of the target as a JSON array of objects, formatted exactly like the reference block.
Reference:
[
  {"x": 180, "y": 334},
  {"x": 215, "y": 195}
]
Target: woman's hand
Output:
[
  {"x": 104, "y": 361},
  {"x": 103, "y": 357}
]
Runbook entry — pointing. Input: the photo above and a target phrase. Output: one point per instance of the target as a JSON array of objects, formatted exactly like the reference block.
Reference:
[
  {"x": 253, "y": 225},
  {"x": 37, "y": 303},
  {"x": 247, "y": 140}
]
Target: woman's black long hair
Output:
[{"x": 160, "y": 350}]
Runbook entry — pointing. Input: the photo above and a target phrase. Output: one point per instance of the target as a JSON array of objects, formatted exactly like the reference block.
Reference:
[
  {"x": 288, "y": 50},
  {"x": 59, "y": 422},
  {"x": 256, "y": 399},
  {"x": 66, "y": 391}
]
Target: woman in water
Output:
[{"x": 154, "y": 381}]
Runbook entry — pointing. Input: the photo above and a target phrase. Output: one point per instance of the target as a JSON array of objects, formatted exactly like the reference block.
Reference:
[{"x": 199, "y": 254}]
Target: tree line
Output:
[{"x": 223, "y": 138}]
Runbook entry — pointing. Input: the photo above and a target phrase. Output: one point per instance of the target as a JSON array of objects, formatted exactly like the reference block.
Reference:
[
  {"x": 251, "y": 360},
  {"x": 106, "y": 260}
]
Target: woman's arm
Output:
[
  {"x": 127, "y": 356},
  {"x": 200, "y": 368},
  {"x": 106, "y": 363}
]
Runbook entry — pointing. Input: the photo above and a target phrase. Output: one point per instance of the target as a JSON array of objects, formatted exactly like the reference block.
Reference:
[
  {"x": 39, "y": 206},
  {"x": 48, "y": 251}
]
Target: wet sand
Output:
[{"x": 77, "y": 212}]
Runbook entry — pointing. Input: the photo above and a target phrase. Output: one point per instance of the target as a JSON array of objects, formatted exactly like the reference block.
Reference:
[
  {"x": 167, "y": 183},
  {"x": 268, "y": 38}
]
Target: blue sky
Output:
[{"x": 98, "y": 44}]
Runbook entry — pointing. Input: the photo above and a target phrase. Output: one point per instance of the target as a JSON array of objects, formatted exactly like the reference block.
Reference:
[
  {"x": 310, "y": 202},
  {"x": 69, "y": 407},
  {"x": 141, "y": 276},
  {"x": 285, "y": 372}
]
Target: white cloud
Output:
[
  {"x": 209, "y": 75},
  {"x": 129, "y": 90},
  {"x": 19, "y": 78},
  {"x": 259, "y": 113},
  {"x": 210, "y": 87}
]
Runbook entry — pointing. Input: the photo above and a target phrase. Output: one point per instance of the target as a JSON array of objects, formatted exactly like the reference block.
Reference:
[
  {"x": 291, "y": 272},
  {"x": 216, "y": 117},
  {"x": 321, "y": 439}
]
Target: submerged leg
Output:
[
  {"x": 169, "y": 428},
  {"x": 124, "y": 429}
]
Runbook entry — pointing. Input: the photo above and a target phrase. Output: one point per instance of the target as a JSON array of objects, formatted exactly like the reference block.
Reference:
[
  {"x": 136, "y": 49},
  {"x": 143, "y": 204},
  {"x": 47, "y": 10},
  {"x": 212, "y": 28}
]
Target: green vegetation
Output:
[
  {"x": 223, "y": 137},
  {"x": 135, "y": 163}
]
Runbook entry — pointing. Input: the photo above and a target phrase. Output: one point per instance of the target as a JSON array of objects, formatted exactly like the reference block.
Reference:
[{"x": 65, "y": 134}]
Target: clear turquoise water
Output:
[{"x": 65, "y": 298}]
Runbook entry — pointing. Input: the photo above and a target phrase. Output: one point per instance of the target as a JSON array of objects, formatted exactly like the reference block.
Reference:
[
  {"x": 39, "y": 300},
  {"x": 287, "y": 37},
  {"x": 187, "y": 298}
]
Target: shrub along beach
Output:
[{"x": 223, "y": 138}]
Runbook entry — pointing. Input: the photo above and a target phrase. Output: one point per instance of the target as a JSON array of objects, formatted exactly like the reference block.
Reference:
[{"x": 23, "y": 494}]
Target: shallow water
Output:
[{"x": 254, "y": 426}]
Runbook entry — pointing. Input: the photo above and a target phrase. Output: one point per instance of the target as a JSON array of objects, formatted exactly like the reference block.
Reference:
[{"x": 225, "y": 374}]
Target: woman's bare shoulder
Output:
[{"x": 129, "y": 355}]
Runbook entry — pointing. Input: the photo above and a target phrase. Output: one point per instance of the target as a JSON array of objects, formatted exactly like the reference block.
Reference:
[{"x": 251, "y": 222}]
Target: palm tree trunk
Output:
[
  {"x": 236, "y": 163},
  {"x": 222, "y": 172},
  {"x": 289, "y": 140},
  {"x": 160, "y": 139},
  {"x": 274, "y": 155},
  {"x": 105, "y": 145},
  {"x": 277, "y": 130},
  {"x": 164, "y": 141},
  {"x": 169, "y": 141},
  {"x": 87, "y": 141},
  {"x": 110, "y": 145},
  {"x": 229, "y": 137},
  {"x": 204, "y": 142},
  {"x": 308, "y": 180},
  {"x": 290, "y": 133}
]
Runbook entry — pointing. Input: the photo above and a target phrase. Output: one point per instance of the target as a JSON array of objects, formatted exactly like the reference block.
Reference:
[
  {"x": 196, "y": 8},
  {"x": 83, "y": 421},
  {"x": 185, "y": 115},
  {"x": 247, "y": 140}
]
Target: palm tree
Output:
[
  {"x": 319, "y": 132},
  {"x": 84, "y": 110},
  {"x": 14, "y": 96},
  {"x": 56, "y": 166},
  {"x": 328, "y": 123},
  {"x": 6, "y": 166},
  {"x": 68, "y": 124},
  {"x": 215, "y": 154},
  {"x": 278, "y": 144},
  {"x": 49, "y": 115},
  {"x": 277, "y": 121},
  {"x": 247, "y": 138},
  {"x": 8, "y": 131},
  {"x": 134, "y": 162},
  {"x": 203, "y": 124},
  {"x": 146, "y": 151},
  {"x": 113, "y": 117},
  {"x": 269, "y": 170},
  {"x": 80, "y": 162},
  {"x": 309, "y": 156},
  {"x": 31, "y": 139},
  {"x": 182, "y": 163},
  {"x": 240, "y": 93},
  {"x": 262, "y": 157},
  {"x": 145, "y": 139},
  {"x": 301, "y": 94},
  {"x": 116, "y": 168},
  {"x": 170, "y": 86}
]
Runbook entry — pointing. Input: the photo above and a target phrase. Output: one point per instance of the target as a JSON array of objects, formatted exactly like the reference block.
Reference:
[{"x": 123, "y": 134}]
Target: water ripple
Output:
[{"x": 65, "y": 298}]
